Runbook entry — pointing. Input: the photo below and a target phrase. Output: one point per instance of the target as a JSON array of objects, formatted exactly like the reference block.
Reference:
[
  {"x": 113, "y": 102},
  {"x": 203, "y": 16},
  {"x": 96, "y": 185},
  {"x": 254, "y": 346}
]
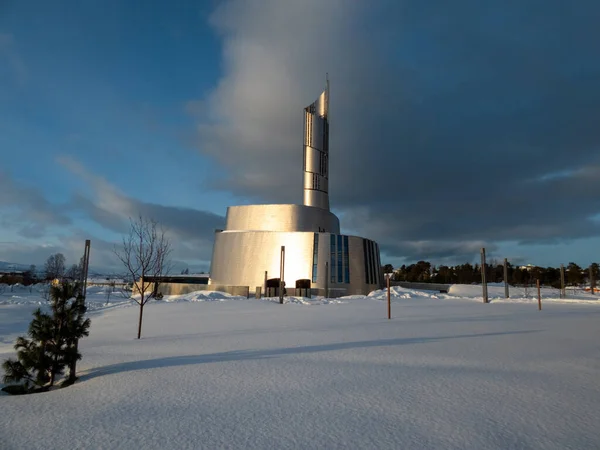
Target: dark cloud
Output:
[
  {"x": 449, "y": 120},
  {"x": 27, "y": 211},
  {"x": 191, "y": 231},
  {"x": 30, "y": 212}
]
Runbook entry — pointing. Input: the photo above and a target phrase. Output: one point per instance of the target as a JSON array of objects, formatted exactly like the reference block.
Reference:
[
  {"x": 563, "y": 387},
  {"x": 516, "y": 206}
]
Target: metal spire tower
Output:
[{"x": 316, "y": 152}]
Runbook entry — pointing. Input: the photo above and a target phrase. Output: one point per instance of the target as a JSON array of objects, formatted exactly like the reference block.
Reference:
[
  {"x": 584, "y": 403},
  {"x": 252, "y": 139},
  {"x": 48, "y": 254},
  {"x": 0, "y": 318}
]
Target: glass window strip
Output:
[
  {"x": 371, "y": 268},
  {"x": 332, "y": 257},
  {"x": 340, "y": 268},
  {"x": 378, "y": 256},
  {"x": 315, "y": 258},
  {"x": 346, "y": 261},
  {"x": 372, "y": 256},
  {"x": 374, "y": 277},
  {"x": 366, "y": 261}
]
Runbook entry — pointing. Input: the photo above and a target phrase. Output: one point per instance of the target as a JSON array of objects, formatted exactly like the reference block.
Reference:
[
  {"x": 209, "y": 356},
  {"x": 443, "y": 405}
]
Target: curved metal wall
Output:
[
  {"x": 316, "y": 152},
  {"x": 281, "y": 218},
  {"x": 240, "y": 258}
]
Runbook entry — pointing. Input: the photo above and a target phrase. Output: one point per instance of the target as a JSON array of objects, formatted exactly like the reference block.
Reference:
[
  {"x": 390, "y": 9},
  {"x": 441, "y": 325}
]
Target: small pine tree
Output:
[
  {"x": 52, "y": 343},
  {"x": 32, "y": 366}
]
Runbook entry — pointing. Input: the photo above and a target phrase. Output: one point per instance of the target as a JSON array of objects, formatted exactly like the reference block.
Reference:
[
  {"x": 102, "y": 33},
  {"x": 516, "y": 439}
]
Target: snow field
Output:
[{"x": 445, "y": 372}]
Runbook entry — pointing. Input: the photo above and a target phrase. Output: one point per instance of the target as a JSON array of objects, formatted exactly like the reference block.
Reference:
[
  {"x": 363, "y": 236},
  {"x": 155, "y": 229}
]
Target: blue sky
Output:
[{"x": 449, "y": 123}]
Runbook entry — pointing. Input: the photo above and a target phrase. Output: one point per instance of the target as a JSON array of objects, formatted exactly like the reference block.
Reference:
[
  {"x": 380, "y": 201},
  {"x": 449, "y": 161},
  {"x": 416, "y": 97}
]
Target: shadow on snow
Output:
[{"x": 241, "y": 355}]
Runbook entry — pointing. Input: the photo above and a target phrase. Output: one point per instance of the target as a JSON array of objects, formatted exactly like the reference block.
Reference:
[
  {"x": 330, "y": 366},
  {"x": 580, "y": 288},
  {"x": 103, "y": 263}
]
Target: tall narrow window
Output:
[
  {"x": 315, "y": 258},
  {"x": 366, "y": 260},
  {"x": 346, "y": 261},
  {"x": 321, "y": 163},
  {"x": 339, "y": 259},
  {"x": 378, "y": 263},
  {"x": 372, "y": 261},
  {"x": 332, "y": 258}
]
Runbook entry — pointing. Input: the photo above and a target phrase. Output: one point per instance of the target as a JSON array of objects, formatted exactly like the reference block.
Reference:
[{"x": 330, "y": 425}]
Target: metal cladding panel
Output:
[
  {"x": 317, "y": 198},
  {"x": 308, "y": 180},
  {"x": 280, "y": 218},
  {"x": 315, "y": 182},
  {"x": 321, "y": 103},
  {"x": 241, "y": 259},
  {"x": 313, "y": 160}
]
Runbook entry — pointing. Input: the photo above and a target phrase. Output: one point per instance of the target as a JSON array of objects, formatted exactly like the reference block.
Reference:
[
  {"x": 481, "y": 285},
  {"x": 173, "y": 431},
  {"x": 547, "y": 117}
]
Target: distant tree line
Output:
[
  {"x": 54, "y": 268},
  {"x": 425, "y": 272}
]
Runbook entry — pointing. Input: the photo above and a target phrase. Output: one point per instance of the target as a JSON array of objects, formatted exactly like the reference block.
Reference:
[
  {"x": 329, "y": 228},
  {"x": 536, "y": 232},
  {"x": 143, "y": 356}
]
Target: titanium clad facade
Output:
[
  {"x": 331, "y": 261},
  {"x": 281, "y": 218},
  {"x": 316, "y": 152}
]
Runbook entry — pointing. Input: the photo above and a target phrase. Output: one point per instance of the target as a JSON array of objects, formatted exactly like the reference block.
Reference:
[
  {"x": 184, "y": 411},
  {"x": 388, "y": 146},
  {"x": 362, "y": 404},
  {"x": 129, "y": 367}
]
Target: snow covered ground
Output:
[{"x": 215, "y": 371}]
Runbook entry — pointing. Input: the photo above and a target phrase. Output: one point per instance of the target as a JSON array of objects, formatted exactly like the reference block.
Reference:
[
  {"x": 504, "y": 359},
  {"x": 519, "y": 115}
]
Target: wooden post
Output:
[
  {"x": 84, "y": 275},
  {"x": 483, "y": 280},
  {"x": 389, "y": 297},
  {"x": 563, "y": 290},
  {"x": 506, "y": 278},
  {"x": 281, "y": 273},
  {"x": 87, "y": 266},
  {"x": 265, "y": 285},
  {"x": 537, "y": 282},
  {"x": 326, "y": 280},
  {"x": 592, "y": 281}
]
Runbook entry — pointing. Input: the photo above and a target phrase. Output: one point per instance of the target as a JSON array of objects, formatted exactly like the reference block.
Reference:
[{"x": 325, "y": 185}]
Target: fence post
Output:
[
  {"x": 506, "y": 278},
  {"x": 389, "y": 298},
  {"x": 563, "y": 290},
  {"x": 326, "y": 280},
  {"x": 537, "y": 282},
  {"x": 83, "y": 277},
  {"x": 281, "y": 273},
  {"x": 483, "y": 280},
  {"x": 265, "y": 284}
]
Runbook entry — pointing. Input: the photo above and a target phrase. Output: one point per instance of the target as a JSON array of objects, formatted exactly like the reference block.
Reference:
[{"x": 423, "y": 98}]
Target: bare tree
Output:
[
  {"x": 55, "y": 266},
  {"x": 75, "y": 272},
  {"x": 145, "y": 254}
]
